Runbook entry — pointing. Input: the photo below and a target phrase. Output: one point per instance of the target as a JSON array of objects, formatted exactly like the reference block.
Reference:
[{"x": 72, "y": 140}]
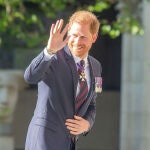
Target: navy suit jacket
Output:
[{"x": 57, "y": 81}]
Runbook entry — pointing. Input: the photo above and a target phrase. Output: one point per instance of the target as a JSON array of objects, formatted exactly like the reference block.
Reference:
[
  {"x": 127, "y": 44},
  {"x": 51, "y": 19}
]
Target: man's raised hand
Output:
[{"x": 56, "y": 40}]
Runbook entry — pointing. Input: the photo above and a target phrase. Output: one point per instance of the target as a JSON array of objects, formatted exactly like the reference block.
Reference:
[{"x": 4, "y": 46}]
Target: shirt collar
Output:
[{"x": 78, "y": 59}]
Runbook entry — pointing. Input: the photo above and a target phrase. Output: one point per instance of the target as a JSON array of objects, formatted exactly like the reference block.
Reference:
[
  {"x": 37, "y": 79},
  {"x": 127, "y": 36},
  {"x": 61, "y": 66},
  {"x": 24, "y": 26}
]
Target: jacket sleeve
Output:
[
  {"x": 37, "y": 68},
  {"x": 91, "y": 114}
]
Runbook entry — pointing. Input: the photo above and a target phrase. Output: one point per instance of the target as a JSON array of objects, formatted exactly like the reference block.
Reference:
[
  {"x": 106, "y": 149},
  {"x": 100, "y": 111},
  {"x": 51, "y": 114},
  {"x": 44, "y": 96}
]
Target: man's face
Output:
[{"x": 81, "y": 39}]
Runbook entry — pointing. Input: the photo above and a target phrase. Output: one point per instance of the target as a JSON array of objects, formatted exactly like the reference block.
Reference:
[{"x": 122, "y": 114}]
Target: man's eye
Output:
[
  {"x": 83, "y": 37},
  {"x": 74, "y": 35}
]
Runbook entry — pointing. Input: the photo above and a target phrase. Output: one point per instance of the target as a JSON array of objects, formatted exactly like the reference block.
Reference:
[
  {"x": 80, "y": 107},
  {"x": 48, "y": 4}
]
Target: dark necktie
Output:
[{"x": 83, "y": 91}]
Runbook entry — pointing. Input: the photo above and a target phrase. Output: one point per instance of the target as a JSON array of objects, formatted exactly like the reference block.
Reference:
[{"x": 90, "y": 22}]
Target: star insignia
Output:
[{"x": 82, "y": 76}]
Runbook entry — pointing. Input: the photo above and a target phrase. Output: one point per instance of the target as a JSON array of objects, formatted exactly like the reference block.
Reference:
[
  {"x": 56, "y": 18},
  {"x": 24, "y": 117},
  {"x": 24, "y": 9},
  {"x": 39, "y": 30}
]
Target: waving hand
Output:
[{"x": 56, "y": 40}]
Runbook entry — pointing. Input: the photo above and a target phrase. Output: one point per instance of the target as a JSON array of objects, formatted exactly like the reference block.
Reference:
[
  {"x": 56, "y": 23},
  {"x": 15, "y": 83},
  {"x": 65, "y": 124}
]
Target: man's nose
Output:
[{"x": 77, "y": 40}]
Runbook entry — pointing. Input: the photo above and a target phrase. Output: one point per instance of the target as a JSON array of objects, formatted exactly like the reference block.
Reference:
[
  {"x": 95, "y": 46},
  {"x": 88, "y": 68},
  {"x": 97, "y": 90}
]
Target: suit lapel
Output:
[
  {"x": 91, "y": 66},
  {"x": 73, "y": 68}
]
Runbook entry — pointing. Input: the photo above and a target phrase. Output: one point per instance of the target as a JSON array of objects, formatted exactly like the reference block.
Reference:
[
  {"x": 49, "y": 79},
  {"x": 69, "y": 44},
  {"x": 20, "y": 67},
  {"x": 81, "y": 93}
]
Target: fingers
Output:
[
  {"x": 78, "y": 117},
  {"x": 73, "y": 126},
  {"x": 52, "y": 29},
  {"x": 77, "y": 125},
  {"x": 64, "y": 31},
  {"x": 57, "y": 27},
  {"x": 58, "y": 36}
]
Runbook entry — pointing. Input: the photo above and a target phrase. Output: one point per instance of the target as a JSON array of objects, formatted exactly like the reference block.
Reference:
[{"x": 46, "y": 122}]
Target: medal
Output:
[
  {"x": 81, "y": 72},
  {"x": 98, "y": 84}
]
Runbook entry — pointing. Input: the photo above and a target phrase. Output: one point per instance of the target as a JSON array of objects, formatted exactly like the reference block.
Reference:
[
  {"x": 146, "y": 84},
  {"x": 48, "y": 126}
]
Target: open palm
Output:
[{"x": 56, "y": 40}]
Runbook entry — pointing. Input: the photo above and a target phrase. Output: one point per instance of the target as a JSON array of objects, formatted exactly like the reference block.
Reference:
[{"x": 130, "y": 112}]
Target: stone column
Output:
[
  {"x": 135, "y": 88},
  {"x": 11, "y": 81}
]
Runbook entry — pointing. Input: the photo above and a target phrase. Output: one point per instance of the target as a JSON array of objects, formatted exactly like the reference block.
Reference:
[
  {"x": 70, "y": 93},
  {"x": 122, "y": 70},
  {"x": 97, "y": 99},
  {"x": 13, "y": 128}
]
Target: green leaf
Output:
[
  {"x": 98, "y": 7},
  {"x": 114, "y": 33},
  {"x": 19, "y": 15},
  {"x": 106, "y": 29}
]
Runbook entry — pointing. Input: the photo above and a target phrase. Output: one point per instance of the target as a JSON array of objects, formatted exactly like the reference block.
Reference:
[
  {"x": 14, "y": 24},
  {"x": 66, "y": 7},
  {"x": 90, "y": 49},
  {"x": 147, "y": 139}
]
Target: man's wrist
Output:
[{"x": 50, "y": 51}]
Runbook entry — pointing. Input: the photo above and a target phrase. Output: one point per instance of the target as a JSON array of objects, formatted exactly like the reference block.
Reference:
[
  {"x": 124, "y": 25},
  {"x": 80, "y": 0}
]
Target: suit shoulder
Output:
[
  {"x": 94, "y": 60},
  {"x": 96, "y": 63}
]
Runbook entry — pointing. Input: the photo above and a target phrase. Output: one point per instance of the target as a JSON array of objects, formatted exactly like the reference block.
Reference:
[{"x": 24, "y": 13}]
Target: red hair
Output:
[{"x": 85, "y": 17}]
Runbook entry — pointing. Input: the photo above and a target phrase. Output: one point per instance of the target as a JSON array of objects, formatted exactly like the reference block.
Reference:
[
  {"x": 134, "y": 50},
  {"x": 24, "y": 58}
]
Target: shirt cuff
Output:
[{"x": 47, "y": 55}]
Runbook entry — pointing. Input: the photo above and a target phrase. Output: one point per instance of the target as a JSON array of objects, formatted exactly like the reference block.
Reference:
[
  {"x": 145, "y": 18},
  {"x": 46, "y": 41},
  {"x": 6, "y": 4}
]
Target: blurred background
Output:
[{"x": 123, "y": 112}]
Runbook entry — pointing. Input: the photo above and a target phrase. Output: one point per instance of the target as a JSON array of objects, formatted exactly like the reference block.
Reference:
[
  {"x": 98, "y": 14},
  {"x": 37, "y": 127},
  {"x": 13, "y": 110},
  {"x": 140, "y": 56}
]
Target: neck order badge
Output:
[{"x": 81, "y": 97}]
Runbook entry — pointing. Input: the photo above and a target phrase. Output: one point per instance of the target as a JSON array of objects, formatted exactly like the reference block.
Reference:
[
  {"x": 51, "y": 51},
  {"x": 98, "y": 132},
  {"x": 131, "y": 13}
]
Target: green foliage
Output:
[
  {"x": 99, "y": 6},
  {"x": 22, "y": 22},
  {"x": 126, "y": 21}
]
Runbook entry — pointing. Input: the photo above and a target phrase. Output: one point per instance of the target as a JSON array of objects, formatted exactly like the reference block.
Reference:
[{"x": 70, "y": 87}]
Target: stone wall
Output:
[{"x": 135, "y": 95}]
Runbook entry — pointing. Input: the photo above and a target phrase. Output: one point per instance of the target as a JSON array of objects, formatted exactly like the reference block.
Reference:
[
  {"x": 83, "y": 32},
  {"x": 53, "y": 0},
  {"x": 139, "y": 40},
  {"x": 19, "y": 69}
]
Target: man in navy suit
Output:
[{"x": 57, "y": 123}]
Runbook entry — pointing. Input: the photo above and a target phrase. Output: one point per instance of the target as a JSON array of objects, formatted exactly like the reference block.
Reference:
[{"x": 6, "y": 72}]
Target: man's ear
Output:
[{"x": 95, "y": 37}]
